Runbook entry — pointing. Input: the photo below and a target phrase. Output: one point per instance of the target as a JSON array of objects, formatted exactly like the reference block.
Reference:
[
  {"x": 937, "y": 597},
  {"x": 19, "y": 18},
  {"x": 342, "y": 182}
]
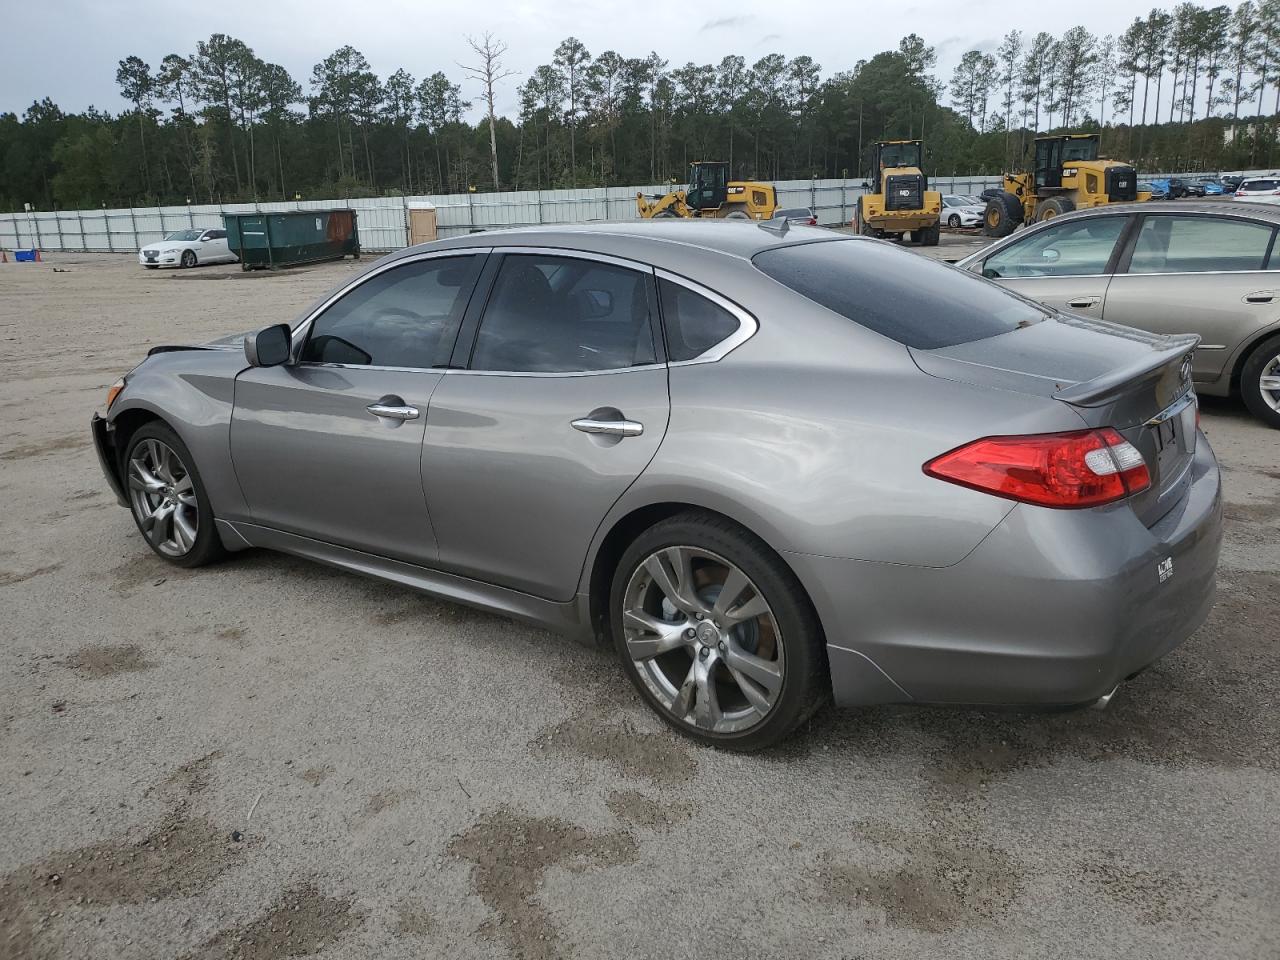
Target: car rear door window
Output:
[
  {"x": 403, "y": 317},
  {"x": 1172, "y": 243},
  {"x": 553, "y": 314},
  {"x": 693, "y": 323},
  {"x": 913, "y": 300},
  {"x": 1076, "y": 248}
]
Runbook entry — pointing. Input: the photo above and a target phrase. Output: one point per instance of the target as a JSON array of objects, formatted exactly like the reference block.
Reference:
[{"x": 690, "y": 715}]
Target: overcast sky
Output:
[{"x": 69, "y": 49}]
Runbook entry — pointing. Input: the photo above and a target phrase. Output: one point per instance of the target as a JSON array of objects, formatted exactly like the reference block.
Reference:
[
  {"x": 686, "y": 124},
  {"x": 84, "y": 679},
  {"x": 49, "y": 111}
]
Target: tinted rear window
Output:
[
  {"x": 1260, "y": 185},
  {"x": 903, "y": 296}
]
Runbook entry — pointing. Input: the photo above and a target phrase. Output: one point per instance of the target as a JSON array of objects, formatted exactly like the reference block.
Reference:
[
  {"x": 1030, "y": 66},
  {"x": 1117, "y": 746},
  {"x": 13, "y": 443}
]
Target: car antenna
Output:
[{"x": 780, "y": 226}]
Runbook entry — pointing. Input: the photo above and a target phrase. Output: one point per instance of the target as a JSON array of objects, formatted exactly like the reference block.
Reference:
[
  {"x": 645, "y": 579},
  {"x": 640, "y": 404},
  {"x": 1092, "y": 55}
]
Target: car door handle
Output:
[
  {"x": 1084, "y": 302},
  {"x": 612, "y": 428},
  {"x": 1262, "y": 296},
  {"x": 393, "y": 408}
]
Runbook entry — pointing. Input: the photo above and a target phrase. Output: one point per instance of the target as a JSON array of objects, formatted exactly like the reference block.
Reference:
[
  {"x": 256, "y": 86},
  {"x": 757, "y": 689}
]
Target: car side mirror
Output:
[
  {"x": 204, "y": 239},
  {"x": 269, "y": 347},
  {"x": 1050, "y": 255}
]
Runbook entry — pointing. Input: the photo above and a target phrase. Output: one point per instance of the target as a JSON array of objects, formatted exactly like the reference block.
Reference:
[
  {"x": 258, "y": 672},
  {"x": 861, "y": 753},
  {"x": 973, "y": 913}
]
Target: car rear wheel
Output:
[
  {"x": 1260, "y": 382},
  {"x": 188, "y": 258},
  {"x": 716, "y": 633},
  {"x": 1054, "y": 207},
  {"x": 167, "y": 498}
]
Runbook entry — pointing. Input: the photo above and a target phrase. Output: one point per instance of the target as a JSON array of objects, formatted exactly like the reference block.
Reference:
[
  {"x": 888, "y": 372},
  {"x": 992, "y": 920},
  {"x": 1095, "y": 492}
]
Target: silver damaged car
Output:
[{"x": 772, "y": 467}]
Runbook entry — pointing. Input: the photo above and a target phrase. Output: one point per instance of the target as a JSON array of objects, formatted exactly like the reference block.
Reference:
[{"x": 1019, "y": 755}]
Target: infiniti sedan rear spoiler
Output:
[{"x": 1106, "y": 385}]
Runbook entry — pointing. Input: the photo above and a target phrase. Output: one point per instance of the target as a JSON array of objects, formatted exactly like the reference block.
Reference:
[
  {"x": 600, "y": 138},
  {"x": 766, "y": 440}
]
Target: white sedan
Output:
[
  {"x": 960, "y": 211},
  {"x": 186, "y": 248}
]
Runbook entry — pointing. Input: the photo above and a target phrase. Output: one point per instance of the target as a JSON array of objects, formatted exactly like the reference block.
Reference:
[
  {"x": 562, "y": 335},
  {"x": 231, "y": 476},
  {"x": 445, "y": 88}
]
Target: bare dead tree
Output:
[{"x": 490, "y": 73}]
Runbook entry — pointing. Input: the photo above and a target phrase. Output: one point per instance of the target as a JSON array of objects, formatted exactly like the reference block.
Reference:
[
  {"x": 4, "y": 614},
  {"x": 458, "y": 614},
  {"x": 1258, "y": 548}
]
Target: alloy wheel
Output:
[
  {"x": 1269, "y": 383},
  {"x": 163, "y": 497},
  {"x": 703, "y": 639}
]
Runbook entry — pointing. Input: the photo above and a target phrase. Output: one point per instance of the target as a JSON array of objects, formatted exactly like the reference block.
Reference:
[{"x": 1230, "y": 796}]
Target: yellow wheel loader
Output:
[
  {"x": 898, "y": 199},
  {"x": 1067, "y": 175},
  {"x": 712, "y": 194}
]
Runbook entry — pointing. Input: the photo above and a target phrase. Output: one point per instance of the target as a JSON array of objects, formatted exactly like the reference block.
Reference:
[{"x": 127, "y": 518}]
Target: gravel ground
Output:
[{"x": 269, "y": 758}]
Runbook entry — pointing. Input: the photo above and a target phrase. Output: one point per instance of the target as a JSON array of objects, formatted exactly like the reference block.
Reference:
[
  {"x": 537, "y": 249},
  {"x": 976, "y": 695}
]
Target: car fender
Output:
[{"x": 193, "y": 392}]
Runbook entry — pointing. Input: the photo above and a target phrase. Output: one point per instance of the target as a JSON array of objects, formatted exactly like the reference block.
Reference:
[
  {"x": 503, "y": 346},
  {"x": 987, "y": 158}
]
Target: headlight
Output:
[{"x": 113, "y": 391}]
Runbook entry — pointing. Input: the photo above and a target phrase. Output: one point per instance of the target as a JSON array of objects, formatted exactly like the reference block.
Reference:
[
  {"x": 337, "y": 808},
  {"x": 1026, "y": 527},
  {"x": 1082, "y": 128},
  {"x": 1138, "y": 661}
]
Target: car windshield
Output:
[
  {"x": 184, "y": 235},
  {"x": 913, "y": 300}
]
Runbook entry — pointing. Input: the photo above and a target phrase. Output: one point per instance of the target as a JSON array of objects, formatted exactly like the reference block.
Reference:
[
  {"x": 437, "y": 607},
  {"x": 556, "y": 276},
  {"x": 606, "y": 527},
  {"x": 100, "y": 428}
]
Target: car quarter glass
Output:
[
  {"x": 402, "y": 317},
  {"x": 1168, "y": 243},
  {"x": 693, "y": 324},
  {"x": 552, "y": 314}
]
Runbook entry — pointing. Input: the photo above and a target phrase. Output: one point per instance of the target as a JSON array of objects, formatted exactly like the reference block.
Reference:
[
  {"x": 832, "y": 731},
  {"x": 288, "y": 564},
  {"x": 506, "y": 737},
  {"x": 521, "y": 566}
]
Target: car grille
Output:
[
  {"x": 151, "y": 254},
  {"x": 903, "y": 192},
  {"x": 1122, "y": 183}
]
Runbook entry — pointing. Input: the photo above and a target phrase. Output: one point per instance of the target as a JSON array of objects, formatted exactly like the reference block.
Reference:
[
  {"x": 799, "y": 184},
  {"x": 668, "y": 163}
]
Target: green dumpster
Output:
[{"x": 268, "y": 241}]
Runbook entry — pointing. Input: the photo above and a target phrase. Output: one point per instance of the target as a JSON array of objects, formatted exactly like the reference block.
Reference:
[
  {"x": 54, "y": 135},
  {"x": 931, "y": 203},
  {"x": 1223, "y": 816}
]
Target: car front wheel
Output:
[
  {"x": 167, "y": 498},
  {"x": 716, "y": 633},
  {"x": 188, "y": 258},
  {"x": 1260, "y": 382}
]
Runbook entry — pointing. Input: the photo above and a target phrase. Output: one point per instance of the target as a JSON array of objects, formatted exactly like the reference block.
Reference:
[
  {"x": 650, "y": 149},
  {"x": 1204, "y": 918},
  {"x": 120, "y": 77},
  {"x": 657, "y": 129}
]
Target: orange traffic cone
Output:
[
  {"x": 38, "y": 260},
  {"x": 4, "y": 257}
]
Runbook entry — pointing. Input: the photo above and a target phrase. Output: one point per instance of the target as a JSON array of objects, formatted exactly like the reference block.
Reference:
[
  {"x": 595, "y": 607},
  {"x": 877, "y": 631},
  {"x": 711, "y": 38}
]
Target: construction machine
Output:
[
  {"x": 897, "y": 198},
  {"x": 1067, "y": 175},
  {"x": 712, "y": 194}
]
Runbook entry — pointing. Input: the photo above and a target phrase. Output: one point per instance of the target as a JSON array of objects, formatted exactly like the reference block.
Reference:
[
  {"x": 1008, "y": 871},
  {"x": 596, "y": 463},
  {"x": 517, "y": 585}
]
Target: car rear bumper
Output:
[
  {"x": 1053, "y": 608},
  {"x": 105, "y": 445}
]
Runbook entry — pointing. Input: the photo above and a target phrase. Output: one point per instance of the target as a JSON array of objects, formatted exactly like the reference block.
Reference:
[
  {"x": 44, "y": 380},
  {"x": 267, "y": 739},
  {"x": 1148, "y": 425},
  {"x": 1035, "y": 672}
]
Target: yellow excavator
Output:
[
  {"x": 898, "y": 200},
  {"x": 1067, "y": 175},
  {"x": 712, "y": 194}
]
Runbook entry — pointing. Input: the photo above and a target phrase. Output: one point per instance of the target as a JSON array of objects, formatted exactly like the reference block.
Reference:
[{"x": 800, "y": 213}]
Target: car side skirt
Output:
[{"x": 568, "y": 618}]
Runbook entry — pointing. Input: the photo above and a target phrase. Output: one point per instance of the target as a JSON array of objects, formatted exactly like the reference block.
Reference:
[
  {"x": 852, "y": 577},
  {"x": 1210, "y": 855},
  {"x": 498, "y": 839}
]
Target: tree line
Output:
[{"x": 1189, "y": 88}]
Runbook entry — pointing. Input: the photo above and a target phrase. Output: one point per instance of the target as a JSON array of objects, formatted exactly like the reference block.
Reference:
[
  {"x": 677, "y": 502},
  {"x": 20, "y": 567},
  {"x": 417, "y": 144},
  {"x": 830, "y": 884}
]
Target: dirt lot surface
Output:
[{"x": 268, "y": 758}]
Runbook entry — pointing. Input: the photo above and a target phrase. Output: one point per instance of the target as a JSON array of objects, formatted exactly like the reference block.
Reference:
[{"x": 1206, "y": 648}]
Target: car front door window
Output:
[
  {"x": 402, "y": 317},
  {"x": 1077, "y": 248}
]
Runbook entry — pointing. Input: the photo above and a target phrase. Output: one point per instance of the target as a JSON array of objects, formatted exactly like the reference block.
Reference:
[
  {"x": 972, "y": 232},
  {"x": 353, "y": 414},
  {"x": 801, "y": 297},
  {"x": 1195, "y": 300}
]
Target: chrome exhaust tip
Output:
[{"x": 1102, "y": 701}]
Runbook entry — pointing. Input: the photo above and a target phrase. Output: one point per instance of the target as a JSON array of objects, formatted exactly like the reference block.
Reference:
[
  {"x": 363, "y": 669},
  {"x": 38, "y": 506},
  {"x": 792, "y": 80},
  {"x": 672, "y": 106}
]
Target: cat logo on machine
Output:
[{"x": 1165, "y": 569}]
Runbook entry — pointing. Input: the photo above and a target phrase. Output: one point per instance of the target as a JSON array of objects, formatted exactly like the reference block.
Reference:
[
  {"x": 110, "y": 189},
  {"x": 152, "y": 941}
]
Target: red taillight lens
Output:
[
  {"x": 1083, "y": 468},
  {"x": 813, "y": 221}
]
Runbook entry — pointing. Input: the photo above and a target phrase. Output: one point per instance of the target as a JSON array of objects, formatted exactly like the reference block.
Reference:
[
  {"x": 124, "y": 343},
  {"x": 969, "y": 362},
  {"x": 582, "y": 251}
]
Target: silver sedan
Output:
[{"x": 770, "y": 466}]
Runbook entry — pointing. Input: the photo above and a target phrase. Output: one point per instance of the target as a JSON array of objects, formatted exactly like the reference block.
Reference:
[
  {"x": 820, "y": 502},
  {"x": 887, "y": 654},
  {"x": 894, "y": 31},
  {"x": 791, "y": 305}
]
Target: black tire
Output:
[
  {"x": 1264, "y": 358},
  {"x": 1054, "y": 207},
  {"x": 207, "y": 547},
  {"x": 805, "y": 685},
  {"x": 664, "y": 215},
  {"x": 737, "y": 215},
  {"x": 953, "y": 221},
  {"x": 188, "y": 258},
  {"x": 929, "y": 236},
  {"x": 864, "y": 228},
  {"x": 1003, "y": 215}
]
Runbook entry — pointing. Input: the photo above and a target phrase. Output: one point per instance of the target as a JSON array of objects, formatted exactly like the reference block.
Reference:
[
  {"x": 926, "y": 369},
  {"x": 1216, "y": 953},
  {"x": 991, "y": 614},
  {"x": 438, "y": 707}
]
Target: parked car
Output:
[
  {"x": 1260, "y": 190},
  {"x": 1159, "y": 189},
  {"x": 1210, "y": 186},
  {"x": 1190, "y": 267},
  {"x": 772, "y": 468},
  {"x": 187, "y": 248},
  {"x": 960, "y": 211},
  {"x": 797, "y": 215},
  {"x": 1178, "y": 187},
  {"x": 1231, "y": 182}
]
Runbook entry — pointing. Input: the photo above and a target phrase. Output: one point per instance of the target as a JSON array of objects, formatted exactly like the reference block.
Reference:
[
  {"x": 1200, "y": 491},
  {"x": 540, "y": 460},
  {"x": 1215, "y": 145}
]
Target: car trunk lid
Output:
[{"x": 1137, "y": 382}]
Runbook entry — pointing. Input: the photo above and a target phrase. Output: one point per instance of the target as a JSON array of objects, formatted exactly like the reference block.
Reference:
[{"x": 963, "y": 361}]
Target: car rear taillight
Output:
[
  {"x": 1084, "y": 468},
  {"x": 813, "y": 221}
]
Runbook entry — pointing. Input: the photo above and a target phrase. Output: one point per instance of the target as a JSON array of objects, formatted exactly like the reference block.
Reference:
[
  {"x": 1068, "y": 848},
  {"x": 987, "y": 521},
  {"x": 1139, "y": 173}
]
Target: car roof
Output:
[
  {"x": 665, "y": 243},
  {"x": 1260, "y": 211}
]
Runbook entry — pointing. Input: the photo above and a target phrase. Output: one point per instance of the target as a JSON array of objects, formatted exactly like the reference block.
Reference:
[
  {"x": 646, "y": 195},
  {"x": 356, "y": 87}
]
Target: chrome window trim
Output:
[
  {"x": 315, "y": 365},
  {"x": 747, "y": 324},
  {"x": 636, "y": 265},
  {"x": 300, "y": 331},
  {"x": 1201, "y": 273}
]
